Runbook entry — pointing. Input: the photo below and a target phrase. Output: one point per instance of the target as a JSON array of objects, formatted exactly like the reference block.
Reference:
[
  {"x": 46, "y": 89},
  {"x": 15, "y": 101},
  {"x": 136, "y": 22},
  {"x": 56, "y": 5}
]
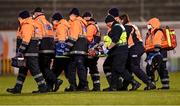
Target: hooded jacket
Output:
[
  {"x": 154, "y": 36},
  {"x": 26, "y": 32},
  {"x": 62, "y": 30}
]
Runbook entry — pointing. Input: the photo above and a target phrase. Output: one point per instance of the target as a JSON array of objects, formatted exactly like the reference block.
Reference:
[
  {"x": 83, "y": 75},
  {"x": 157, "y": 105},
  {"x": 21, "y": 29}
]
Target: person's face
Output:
[
  {"x": 87, "y": 18},
  {"x": 109, "y": 24},
  {"x": 149, "y": 27},
  {"x": 118, "y": 20},
  {"x": 54, "y": 22},
  {"x": 34, "y": 15},
  {"x": 72, "y": 17},
  {"x": 20, "y": 20},
  {"x": 91, "y": 22}
]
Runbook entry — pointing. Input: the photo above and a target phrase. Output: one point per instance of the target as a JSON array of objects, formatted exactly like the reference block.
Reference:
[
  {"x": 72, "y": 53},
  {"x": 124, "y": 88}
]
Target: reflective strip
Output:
[
  {"x": 22, "y": 47},
  {"x": 165, "y": 59},
  {"x": 61, "y": 41},
  {"x": 70, "y": 44},
  {"x": 96, "y": 82},
  {"x": 25, "y": 43},
  {"x": 19, "y": 82},
  {"x": 165, "y": 85},
  {"x": 78, "y": 52},
  {"x": 149, "y": 77},
  {"x": 46, "y": 51},
  {"x": 67, "y": 49},
  {"x": 62, "y": 57},
  {"x": 41, "y": 82},
  {"x": 165, "y": 79},
  {"x": 82, "y": 36},
  {"x": 35, "y": 38},
  {"x": 22, "y": 75},
  {"x": 19, "y": 37},
  {"x": 91, "y": 57},
  {"x": 38, "y": 75},
  {"x": 31, "y": 54},
  {"x": 135, "y": 55},
  {"x": 96, "y": 75},
  {"x": 129, "y": 46},
  {"x": 108, "y": 74},
  {"x": 48, "y": 36},
  {"x": 65, "y": 53},
  {"x": 120, "y": 78},
  {"x": 71, "y": 38},
  {"x": 122, "y": 44}
]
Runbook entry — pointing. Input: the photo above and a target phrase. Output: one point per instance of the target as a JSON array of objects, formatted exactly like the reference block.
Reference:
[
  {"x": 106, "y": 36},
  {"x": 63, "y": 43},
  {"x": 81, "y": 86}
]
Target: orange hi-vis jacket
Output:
[
  {"x": 135, "y": 34},
  {"x": 45, "y": 28},
  {"x": 154, "y": 37},
  {"x": 92, "y": 31},
  {"x": 77, "y": 28},
  {"x": 62, "y": 30},
  {"x": 26, "y": 32}
]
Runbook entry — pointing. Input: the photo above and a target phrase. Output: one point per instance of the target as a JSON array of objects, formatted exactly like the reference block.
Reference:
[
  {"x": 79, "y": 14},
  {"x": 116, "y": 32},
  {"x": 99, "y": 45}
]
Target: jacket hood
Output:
[
  {"x": 40, "y": 17},
  {"x": 65, "y": 22},
  {"x": 26, "y": 21},
  {"x": 83, "y": 20},
  {"x": 155, "y": 23}
]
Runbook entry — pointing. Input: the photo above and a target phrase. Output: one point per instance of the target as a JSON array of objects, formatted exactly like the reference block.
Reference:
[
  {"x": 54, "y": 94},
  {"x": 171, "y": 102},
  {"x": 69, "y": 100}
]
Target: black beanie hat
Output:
[
  {"x": 74, "y": 11},
  {"x": 24, "y": 14},
  {"x": 87, "y": 14},
  {"x": 38, "y": 9},
  {"x": 109, "y": 18},
  {"x": 114, "y": 12},
  {"x": 57, "y": 16}
]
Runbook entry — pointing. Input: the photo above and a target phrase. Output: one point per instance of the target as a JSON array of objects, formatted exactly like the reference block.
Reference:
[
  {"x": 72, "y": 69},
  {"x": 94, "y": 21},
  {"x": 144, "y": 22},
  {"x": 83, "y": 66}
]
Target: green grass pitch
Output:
[{"x": 139, "y": 97}]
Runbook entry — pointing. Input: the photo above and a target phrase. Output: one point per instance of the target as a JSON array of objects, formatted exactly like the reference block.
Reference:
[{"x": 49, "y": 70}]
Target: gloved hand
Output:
[
  {"x": 19, "y": 55},
  {"x": 105, "y": 50}
]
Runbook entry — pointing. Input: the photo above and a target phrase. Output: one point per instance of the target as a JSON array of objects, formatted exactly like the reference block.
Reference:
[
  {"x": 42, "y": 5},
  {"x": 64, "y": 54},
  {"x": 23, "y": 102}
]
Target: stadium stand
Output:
[{"x": 138, "y": 10}]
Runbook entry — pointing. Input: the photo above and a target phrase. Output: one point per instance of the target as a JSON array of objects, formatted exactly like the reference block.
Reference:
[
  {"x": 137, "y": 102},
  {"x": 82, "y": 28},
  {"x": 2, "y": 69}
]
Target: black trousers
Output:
[
  {"x": 45, "y": 61},
  {"x": 60, "y": 65},
  {"x": 115, "y": 66},
  {"x": 91, "y": 63},
  {"x": 32, "y": 65},
  {"x": 133, "y": 64},
  {"x": 77, "y": 64},
  {"x": 162, "y": 70}
]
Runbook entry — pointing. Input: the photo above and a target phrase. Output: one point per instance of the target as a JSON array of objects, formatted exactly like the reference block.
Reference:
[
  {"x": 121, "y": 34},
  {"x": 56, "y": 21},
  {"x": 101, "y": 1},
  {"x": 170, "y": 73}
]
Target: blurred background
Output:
[{"x": 140, "y": 11}]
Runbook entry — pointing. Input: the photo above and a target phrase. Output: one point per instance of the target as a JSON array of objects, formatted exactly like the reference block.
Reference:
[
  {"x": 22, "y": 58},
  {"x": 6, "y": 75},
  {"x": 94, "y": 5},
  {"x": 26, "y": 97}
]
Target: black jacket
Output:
[{"x": 115, "y": 35}]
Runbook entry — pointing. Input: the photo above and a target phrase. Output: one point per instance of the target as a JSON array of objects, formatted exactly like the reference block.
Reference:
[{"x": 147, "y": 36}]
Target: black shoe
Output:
[
  {"x": 109, "y": 89},
  {"x": 135, "y": 85},
  {"x": 164, "y": 88},
  {"x": 14, "y": 90},
  {"x": 96, "y": 89},
  {"x": 57, "y": 84},
  {"x": 122, "y": 89},
  {"x": 70, "y": 89},
  {"x": 83, "y": 89},
  {"x": 50, "y": 87},
  {"x": 42, "y": 89},
  {"x": 150, "y": 86}
]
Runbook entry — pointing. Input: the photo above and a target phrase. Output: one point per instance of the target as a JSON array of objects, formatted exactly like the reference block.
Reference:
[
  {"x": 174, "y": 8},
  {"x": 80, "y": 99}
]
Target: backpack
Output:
[{"x": 169, "y": 41}]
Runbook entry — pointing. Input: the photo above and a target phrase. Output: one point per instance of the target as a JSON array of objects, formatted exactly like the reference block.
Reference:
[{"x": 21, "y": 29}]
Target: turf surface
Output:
[{"x": 139, "y": 97}]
